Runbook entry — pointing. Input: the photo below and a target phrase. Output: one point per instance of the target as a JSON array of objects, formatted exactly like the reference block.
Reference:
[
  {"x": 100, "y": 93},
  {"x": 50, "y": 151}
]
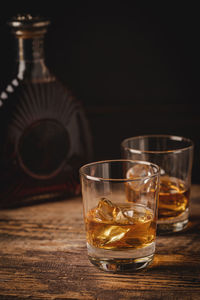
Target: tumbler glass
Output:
[
  {"x": 174, "y": 155},
  {"x": 120, "y": 213}
]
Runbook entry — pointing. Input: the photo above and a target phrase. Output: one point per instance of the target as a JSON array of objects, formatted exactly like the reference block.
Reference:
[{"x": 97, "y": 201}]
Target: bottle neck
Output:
[
  {"x": 30, "y": 49},
  {"x": 30, "y": 59}
]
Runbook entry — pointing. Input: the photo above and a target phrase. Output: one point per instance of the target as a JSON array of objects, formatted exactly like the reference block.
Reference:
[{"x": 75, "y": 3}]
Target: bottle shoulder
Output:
[{"x": 47, "y": 95}]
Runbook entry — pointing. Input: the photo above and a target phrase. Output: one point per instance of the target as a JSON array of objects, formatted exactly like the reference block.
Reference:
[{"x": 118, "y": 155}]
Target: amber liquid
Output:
[
  {"x": 173, "y": 198},
  {"x": 125, "y": 226}
]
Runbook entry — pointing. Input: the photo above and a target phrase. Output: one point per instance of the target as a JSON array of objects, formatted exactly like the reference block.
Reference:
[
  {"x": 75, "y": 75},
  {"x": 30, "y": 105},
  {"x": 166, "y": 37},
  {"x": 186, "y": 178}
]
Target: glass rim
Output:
[
  {"x": 170, "y": 137},
  {"x": 102, "y": 179}
]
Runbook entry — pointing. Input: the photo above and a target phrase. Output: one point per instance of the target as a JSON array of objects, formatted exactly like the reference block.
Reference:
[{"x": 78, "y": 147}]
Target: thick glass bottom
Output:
[
  {"x": 121, "y": 265},
  {"x": 123, "y": 261},
  {"x": 174, "y": 224}
]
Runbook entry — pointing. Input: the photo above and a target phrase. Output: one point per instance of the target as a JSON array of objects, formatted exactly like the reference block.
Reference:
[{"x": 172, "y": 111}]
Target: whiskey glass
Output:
[
  {"x": 120, "y": 213},
  {"x": 174, "y": 155}
]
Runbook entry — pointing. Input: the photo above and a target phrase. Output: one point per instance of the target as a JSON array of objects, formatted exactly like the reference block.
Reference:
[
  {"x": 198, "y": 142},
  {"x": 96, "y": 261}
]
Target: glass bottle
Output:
[{"x": 44, "y": 132}]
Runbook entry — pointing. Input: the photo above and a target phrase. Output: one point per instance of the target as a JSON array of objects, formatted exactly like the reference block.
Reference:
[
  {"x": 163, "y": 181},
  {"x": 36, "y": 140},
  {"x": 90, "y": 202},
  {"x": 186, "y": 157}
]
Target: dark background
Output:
[{"x": 134, "y": 67}]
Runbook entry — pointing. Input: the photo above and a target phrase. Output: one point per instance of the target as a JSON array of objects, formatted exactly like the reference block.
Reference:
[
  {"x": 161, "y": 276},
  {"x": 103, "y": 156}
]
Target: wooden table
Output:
[{"x": 43, "y": 256}]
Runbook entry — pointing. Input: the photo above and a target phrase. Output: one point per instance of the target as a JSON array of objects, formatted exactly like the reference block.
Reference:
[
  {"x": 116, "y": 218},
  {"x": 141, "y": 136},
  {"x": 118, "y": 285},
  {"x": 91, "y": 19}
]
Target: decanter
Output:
[{"x": 44, "y": 132}]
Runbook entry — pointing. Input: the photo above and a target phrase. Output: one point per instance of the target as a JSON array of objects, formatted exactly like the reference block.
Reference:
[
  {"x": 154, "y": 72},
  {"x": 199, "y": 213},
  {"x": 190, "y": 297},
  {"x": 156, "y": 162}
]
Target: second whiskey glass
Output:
[{"x": 174, "y": 155}]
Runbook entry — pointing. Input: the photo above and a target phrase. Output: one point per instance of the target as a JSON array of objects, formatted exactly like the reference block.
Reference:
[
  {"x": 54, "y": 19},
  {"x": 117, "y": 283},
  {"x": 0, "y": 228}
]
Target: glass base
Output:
[
  {"x": 121, "y": 265},
  {"x": 174, "y": 224},
  {"x": 121, "y": 261}
]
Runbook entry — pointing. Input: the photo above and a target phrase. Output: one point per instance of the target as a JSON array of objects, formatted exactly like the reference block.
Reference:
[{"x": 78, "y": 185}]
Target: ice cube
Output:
[
  {"x": 105, "y": 204},
  {"x": 120, "y": 217},
  {"x": 136, "y": 173},
  {"x": 136, "y": 189},
  {"x": 104, "y": 210},
  {"x": 111, "y": 234},
  {"x": 129, "y": 213},
  {"x": 108, "y": 212},
  {"x": 141, "y": 214},
  {"x": 139, "y": 170}
]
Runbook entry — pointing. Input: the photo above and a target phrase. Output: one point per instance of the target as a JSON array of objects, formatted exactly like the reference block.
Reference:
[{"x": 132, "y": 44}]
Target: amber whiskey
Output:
[
  {"x": 173, "y": 197},
  {"x": 121, "y": 226}
]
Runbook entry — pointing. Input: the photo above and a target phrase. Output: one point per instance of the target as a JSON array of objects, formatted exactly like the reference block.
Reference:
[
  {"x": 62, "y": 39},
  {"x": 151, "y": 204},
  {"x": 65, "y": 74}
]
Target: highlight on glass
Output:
[
  {"x": 174, "y": 156},
  {"x": 120, "y": 200}
]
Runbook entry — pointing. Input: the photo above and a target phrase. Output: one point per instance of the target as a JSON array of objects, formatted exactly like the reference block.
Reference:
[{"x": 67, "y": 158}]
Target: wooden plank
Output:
[{"x": 43, "y": 256}]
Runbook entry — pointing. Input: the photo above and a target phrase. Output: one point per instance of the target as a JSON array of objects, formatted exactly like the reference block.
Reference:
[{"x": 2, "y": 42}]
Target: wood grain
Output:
[{"x": 43, "y": 256}]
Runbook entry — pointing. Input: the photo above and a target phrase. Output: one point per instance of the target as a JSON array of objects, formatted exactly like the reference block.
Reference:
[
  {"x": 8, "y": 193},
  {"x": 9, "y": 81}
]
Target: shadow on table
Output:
[{"x": 176, "y": 264}]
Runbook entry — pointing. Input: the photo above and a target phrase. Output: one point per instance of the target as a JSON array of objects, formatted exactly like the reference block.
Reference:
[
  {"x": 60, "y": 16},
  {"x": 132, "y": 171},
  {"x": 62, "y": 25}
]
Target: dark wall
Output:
[{"x": 135, "y": 68}]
